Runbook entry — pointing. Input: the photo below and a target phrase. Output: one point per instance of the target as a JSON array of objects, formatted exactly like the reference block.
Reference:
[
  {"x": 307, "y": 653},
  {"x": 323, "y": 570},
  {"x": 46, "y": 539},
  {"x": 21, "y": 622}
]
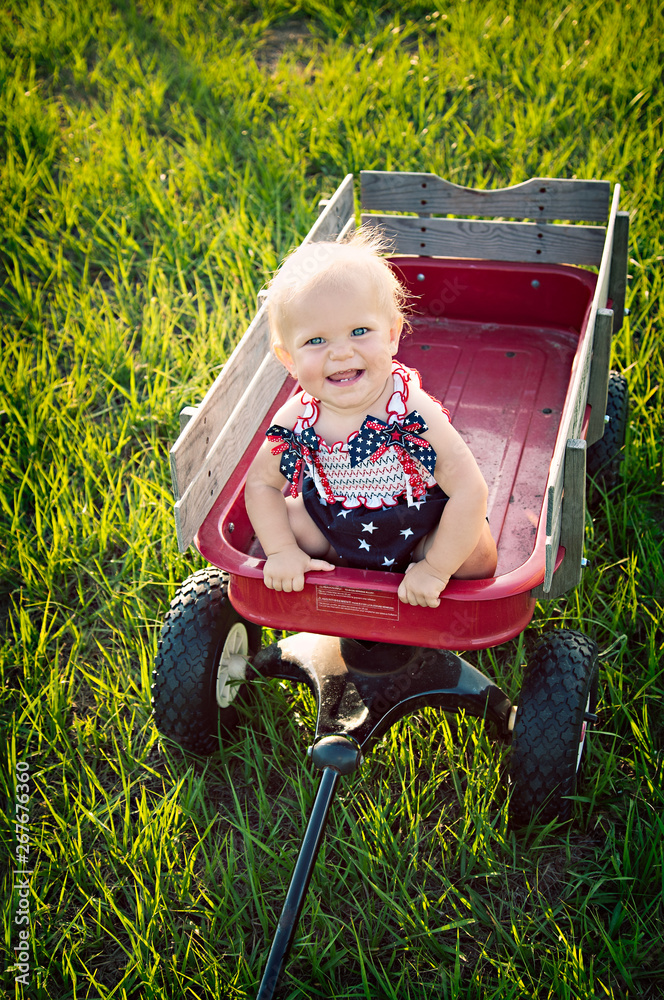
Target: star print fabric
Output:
[
  {"x": 376, "y": 436},
  {"x": 375, "y": 539}
]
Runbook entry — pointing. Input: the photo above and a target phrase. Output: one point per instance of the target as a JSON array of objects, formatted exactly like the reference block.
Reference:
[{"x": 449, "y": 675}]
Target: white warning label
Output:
[{"x": 366, "y": 603}]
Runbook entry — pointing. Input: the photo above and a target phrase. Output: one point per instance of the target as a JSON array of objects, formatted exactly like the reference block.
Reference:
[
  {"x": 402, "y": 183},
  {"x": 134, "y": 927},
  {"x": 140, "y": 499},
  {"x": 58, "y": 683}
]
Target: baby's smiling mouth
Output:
[{"x": 349, "y": 375}]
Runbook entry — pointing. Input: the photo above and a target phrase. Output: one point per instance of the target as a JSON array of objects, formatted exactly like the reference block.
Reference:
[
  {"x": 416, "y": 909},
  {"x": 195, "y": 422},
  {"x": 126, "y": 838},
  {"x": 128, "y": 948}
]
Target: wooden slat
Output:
[
  {"x": 598, "y": 387},
  {"x": 602, "y": 287},
  {"x": 572, "y": 521},
  {"x": 574, "y": 410},
  {"x": 347, "y": 229},
  {"x": 228, "y": 449},
  {"x": 538, "y": 198},
  {"x": 512, "y": 241},
  {"x": 186, "y": 414},
  {"x": 618, "y": 278}
]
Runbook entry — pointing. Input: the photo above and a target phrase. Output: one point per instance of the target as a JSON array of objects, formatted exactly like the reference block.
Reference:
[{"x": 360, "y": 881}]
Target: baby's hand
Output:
[
  {"x": 422, "y": 585},
  {"x": 285, "y": 570}
]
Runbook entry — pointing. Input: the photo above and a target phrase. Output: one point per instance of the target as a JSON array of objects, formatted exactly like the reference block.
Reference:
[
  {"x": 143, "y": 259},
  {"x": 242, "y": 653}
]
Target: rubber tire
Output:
[
  {"x": 549, "y": 739},
  {"x": 604, "y": 457},
  {"x": 184, "y": 703}
]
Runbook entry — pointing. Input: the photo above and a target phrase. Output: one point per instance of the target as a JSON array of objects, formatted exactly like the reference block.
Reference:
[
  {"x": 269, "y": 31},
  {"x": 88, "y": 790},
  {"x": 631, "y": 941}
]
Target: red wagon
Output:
[{"x": 511, "y": 327}]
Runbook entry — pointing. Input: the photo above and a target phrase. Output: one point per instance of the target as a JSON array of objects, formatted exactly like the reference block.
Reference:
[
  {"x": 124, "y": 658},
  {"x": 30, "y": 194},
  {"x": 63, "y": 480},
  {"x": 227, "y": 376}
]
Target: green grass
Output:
[{"x": 158, "y": 159}]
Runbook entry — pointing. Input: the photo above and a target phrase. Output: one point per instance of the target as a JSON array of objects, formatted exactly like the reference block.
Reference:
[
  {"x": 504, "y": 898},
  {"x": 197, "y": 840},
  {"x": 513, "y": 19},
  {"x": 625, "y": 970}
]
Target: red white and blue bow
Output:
[
  {"x": 375, "y": 437},
  {"x": 298, "y": 450}
]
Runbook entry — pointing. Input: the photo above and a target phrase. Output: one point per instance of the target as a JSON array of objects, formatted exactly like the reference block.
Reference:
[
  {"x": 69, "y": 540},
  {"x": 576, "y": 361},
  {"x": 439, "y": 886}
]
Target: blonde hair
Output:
[{"x": 315, "y": 265}]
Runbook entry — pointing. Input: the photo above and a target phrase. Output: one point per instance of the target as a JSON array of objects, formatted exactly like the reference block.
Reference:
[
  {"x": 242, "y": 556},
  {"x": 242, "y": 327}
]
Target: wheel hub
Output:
[{"x": 232, "y": 665}]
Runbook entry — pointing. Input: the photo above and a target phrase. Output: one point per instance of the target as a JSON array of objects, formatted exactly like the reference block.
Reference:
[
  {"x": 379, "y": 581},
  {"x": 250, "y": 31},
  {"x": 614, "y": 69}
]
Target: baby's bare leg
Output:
[
  {"x": 307, "y": 534},
  {"x": 480, "y": 564}
]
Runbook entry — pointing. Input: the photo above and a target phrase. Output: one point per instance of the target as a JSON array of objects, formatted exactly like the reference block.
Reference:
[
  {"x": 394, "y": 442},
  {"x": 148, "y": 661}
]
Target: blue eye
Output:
[
  {"x": 315, "y": 341},
  {"x": 359, "y": 330}
]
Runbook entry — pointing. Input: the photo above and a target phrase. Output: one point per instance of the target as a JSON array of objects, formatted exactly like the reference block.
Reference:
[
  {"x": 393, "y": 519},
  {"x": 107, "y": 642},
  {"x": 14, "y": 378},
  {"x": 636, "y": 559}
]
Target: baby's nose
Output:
[{"x": 341, "y": 349}]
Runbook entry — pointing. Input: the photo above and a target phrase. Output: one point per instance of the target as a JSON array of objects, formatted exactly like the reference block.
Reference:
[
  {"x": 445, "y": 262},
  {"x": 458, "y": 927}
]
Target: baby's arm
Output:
[
  {"x": 286, "y": 562},
  {"x": 464, "y": 515}
]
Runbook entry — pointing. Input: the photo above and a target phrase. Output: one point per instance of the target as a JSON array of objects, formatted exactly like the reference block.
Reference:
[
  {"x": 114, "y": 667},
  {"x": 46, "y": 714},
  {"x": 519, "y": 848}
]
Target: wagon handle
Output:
[{"x": 335, "y": 755}]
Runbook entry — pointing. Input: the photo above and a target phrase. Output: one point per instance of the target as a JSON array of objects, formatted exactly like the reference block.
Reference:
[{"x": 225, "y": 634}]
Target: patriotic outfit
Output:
[{"x": 373, "y": 497}]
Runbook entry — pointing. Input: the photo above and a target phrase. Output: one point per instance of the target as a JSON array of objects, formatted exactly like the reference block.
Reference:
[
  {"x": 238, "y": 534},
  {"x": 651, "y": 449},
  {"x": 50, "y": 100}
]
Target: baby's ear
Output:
[
  {"x": 395, "y": 333},
  {"x": 282, "y": 355}
]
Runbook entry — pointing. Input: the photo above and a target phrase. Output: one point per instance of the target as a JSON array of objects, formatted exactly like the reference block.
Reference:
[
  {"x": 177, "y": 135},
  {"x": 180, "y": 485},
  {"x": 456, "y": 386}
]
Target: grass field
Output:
[{"x": 157, "y": 161}]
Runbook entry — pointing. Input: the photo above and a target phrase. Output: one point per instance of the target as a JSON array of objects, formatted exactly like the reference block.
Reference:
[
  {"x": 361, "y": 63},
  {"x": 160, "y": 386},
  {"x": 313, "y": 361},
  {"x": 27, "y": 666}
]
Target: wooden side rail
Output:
[
  {"x": 618, "y": 277},
  {"x": 541, "y": 198},
  {"x": 213, "y": 439},
  {"x": 598, "y": 387},
  {"x": 564, "y": 476}
]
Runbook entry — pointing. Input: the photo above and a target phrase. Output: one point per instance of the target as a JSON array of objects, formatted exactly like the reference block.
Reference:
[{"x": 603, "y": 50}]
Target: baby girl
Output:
[{"x": 379, "y": 478}]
